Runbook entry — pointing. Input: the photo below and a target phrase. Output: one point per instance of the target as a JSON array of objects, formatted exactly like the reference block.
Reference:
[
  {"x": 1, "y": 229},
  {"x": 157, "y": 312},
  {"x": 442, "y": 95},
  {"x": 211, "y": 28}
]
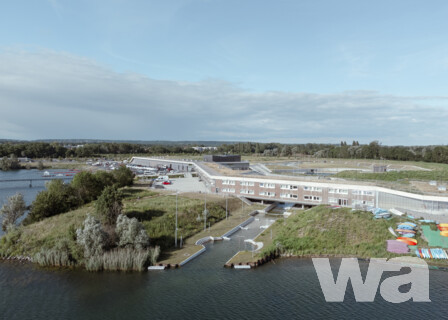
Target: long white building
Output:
[{"x": 304, "y": 192}]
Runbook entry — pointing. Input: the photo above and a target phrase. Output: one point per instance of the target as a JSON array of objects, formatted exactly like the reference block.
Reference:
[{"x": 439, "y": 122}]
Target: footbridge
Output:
[{"x": 35, "y": 179}]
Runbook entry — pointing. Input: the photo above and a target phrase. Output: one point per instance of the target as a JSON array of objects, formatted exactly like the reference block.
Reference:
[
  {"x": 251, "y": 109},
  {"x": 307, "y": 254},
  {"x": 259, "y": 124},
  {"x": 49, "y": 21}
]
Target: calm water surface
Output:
[
  {"x": 8, "y": 189},
  {"x": 203, "y": 289}
]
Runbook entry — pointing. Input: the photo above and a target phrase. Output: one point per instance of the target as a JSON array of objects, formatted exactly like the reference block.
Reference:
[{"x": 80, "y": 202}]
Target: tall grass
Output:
[
  {"x": 53, "y": 257},
  {"x": 126, "y": 259}
]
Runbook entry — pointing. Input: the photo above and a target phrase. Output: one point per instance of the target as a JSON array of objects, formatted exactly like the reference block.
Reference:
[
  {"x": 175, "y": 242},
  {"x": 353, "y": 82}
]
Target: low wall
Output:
[
  {"x": 192, "y": 256},
  {"x": 238, "y": 227}
]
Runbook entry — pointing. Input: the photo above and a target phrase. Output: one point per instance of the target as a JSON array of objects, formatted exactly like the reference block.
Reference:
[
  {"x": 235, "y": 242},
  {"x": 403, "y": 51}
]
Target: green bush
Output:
[
  {"x": 109, "y": 205},
  {"x": 58, "y": 198},
  {"x": 88, "y": 187},
  {"x": 92, "y": 237},
  {"x": 123, "y": 176},
  {"x": 9, "y": 241},
  {"x": 131, "y": 233},
  {"x": 12, "y": 210}
]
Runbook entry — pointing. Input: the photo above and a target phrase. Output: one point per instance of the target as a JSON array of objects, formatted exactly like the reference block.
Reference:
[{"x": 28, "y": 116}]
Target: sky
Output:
[{"x": 293, "y": 71}]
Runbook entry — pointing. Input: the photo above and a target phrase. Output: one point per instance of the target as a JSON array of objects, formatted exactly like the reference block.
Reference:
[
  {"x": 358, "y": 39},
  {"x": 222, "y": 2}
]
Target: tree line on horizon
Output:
[{"x": 344, "y": 150}]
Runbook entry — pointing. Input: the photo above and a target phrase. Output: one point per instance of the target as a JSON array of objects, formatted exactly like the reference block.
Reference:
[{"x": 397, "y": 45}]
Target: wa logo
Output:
[{"x": 334, "y": 291}]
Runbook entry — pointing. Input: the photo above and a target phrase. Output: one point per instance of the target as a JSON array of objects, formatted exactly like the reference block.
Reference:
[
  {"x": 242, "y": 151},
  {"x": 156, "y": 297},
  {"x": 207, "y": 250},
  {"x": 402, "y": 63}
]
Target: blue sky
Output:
[{"x": 288, "y": 71}]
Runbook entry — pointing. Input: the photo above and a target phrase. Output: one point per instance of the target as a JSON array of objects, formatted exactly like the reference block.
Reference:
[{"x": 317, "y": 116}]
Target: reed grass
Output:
[{"x": 126, "y": 259}]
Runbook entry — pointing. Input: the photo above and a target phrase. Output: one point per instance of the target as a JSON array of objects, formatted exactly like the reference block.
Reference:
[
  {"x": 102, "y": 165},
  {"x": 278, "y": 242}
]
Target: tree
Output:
[
  {"x": 7, "y": 164},
  {"x": 124, "y": 176},
  {"x": 58, "y": 198},
  {"x": 131, "y": 233},
  {"x": 40, "y": 165},
  {"x": 92, "y": 237},
  {"x": 286, "y": 151},
  {"x": 12, "y": 210},
  {"x": 87, "y": 186},
  {"x": 105, "y": 178},
  {"x": 109, "y": 205}
]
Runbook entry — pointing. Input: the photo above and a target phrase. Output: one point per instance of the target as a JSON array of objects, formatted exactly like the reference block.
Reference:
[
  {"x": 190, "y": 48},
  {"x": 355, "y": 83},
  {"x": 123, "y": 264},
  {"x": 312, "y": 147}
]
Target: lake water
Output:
[
  {"x": 202, "y": 289},
  {"x": 8, "y": 189}
]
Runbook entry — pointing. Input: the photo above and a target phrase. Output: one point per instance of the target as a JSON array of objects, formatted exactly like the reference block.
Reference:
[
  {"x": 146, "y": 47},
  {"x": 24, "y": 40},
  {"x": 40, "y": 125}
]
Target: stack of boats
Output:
[
  {"x": 405, "y": 233},
  {"x": 379, "y": 213},
  {"x": 435, "y": 253},
  {"x": 443, "y": 227},
  {"x": 406, "y": 229}
]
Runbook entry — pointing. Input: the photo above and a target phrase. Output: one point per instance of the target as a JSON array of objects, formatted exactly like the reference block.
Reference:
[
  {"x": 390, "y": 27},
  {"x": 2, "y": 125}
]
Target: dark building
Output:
[
  {"x": 379, "y": 168},
  {"x": 231, "y": 161},
  {"x": 222, "y": 158}
]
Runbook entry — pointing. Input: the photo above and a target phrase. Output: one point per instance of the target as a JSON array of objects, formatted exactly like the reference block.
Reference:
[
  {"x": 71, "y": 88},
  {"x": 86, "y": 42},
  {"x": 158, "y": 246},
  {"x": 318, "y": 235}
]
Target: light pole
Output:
[
  {"x": 175, "y": 231},
  {"x": 205, "y": 212},
  {"x": 226, "y": 206}
]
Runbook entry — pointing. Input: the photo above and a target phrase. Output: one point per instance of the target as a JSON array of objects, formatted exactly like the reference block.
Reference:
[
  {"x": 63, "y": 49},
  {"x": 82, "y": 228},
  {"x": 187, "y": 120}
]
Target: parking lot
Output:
[{"x": 187, "y": 184}]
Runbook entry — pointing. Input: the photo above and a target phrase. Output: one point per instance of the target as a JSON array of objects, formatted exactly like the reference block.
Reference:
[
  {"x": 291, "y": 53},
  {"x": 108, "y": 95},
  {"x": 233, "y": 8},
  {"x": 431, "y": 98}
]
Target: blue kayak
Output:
[
  {"x": 405, "y": 226},
  {"x": 408, "y": 235}
]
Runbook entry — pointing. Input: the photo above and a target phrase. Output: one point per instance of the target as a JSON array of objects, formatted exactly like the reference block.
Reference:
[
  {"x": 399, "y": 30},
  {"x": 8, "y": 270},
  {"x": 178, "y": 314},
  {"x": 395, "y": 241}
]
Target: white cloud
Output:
[{"x": 46, "y": 94}]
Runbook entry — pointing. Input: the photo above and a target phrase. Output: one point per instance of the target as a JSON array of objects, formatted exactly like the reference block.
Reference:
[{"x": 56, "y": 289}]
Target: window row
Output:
[
  {"x": 267, "y": 193},
  {"x": 267, "y": 185},
  {"x": 288, "y": 196},
  {"x": 307, "y": 188},
  {"x": 340, "y": 191},
  {"x": 363, "y": 193},
  {"x": 362, "y": 202},
  {"x": 288, "y": 187},
  {"x": 312, "y": 198}
]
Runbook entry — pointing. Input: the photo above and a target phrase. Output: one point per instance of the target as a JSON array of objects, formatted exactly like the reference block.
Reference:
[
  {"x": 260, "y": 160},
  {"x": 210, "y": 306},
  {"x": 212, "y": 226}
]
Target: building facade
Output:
[{"x": 310, "y": 193}]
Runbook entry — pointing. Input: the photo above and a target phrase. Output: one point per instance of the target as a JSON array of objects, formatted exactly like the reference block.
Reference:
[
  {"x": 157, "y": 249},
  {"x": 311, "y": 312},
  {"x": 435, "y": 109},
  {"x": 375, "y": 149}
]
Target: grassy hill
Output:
[{"x": 326, "y": 231}]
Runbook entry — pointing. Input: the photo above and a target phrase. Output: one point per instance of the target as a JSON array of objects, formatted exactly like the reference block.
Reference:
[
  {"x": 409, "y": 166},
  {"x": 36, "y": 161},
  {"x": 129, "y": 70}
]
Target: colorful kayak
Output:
[
  {"x": 444, "y": 233},
  {"x": 405, "y": 226},
  {"x": 411, "y": 242},
  {"x": 407, "y": 235},
  {"x": 409, "y": 223},
  {"x": 443, "y": 228},
  {"x": 405, "y": 230},
  {"x": 443, "y": 225}
]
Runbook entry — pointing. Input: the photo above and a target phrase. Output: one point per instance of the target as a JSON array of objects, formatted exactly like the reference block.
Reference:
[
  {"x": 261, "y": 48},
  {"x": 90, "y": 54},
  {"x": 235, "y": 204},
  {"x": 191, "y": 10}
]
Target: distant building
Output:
[
  {"x": 231, "y": 161},
  {"x": 202, "y": 149},
  {"x": 378, "y": 168},
  {"x": 222, "y": 158}
]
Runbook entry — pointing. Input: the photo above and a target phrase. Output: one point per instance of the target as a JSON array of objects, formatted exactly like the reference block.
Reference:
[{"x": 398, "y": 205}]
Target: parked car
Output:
[{"x": 166, "y": 182}]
